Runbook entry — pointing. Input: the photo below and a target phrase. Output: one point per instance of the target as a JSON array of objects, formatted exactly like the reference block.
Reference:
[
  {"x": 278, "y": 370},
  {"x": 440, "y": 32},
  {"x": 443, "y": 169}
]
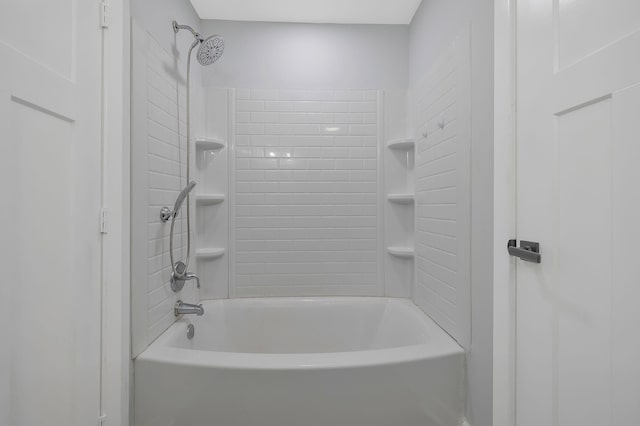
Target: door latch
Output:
[{"x": 528, "y": 251}]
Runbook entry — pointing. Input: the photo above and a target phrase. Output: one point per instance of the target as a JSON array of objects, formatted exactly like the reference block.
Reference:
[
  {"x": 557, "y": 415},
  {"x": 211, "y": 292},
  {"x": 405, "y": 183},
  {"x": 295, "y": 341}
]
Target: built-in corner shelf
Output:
[
  {"x": 401, "y": 252},
  {"x": 209, "y": 144},
  {"x": 406, "y": 198},
  {"x": 209, "y": 199},
  {"x": 210, "y": 253},
  {"x": 401, "y": 144}
]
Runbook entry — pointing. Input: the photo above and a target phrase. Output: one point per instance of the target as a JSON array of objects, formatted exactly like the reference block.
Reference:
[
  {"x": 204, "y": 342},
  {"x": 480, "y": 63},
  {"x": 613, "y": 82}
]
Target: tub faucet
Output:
[{"x": 182, "y": 308}]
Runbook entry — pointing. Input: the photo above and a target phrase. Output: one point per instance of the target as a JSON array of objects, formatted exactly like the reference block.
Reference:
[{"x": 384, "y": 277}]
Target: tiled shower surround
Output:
[
  {"x": 306, "y": 193},
  {"x": 159, "y": 142},
  {"x": 442, "y": 118},
  {"x": 303, "y": 198}
]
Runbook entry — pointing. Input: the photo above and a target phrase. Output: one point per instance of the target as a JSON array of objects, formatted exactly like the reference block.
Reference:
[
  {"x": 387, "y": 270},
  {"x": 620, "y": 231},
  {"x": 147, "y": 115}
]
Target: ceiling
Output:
[{"x": 310, "y": 11}]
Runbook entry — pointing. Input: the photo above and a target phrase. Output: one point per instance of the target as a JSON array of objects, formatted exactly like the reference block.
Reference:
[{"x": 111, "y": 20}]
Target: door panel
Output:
[
  {"x": 38, "y": 259},
  {"x": 51, "y": 186},
  {"x": 584, "y": 27},
  {"x": 580, "y": 317},
  {"x": 42, "y": 31},
  {"x": 625, "y": 297},
  {"x": 578, "y": 108}
]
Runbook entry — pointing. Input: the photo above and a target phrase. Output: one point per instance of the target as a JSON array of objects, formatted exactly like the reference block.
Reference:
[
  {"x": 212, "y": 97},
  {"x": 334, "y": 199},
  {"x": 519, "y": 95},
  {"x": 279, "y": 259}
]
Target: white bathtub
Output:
[{"x": 302, "y": 362}]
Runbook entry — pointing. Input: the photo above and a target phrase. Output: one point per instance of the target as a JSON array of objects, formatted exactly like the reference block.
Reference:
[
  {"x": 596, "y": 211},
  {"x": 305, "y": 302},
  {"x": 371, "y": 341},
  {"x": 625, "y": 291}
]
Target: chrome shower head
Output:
[{"x": 210, "y": 50}]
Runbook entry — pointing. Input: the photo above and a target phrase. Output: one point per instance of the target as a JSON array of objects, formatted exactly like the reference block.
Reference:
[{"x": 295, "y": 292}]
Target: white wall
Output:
[
  {"x": 155, "y": 17},
  {"x": 440, "y": 113},
  {"x": 317, "y": 60},
  {"x": 158, "y": 139},
  {"x": 433, "y": 28},
  {"x": 309, "y": 56},
  {"x": 158, "y": 128},
  {"x": 307, "y": 193}
]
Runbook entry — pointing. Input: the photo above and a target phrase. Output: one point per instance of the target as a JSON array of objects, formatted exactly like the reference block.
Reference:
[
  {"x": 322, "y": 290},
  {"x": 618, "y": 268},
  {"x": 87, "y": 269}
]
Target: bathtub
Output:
[{"x": 340, "y": 361}]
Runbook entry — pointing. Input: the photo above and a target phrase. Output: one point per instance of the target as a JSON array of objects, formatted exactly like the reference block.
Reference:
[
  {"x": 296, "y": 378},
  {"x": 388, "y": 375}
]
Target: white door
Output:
[
  {"x": 50, "y": 200},
  {"x": 578, "y": 312}
]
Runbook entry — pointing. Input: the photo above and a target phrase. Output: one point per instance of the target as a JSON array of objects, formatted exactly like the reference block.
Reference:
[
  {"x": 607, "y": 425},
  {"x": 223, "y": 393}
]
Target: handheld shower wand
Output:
[
  {"x": 179, "y": 269},
  {"x": 166, "y": 213},
  {"x": 183, "y": 194}
]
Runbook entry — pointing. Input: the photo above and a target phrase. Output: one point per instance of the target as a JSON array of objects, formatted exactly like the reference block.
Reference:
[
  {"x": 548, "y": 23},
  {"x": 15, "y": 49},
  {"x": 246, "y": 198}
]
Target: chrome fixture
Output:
[
  {"x": 191, "y": 331},
  {"x": 166, "y": 213},
  {"x": 182, "y": 308},
  {"x": 211, "y": 48},
  {"x": 180, "y": 276},
  {"x": 179, "y": 272}
]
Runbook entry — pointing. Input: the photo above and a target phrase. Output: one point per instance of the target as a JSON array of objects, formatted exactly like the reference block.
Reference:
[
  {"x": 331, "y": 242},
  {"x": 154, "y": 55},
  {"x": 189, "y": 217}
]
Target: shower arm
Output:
[{"x": 177, "y": 27}]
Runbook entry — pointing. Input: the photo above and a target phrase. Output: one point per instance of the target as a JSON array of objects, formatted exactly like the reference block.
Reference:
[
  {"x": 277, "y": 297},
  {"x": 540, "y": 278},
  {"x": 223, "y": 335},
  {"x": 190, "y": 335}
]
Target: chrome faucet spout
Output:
[{"x": 182, "y": 308}]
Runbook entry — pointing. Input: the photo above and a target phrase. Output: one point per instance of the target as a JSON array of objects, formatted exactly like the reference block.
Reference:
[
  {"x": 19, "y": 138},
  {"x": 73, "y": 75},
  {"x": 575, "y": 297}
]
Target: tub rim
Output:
[{"x": 443, "y": 345}]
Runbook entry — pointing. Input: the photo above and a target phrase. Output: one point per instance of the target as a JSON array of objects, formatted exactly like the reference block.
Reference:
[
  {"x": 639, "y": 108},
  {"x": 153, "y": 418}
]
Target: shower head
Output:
[
  {"x": 210, "y": 50},
  {"x": 182, "y": 196}
]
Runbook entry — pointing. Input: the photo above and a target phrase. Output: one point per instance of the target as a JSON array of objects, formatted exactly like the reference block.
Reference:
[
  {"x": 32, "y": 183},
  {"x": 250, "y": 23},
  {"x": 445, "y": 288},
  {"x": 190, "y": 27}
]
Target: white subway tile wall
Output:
[
  {"x": 441, "y": 173},
  {"x": 159, "y": 119},
  {"x": 306, "y": 204}
]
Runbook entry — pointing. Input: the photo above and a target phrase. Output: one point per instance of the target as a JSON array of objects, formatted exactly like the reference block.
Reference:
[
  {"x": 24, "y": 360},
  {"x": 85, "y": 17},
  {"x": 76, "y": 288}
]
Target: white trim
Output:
[
  {"x": 116, "y": 244},
  {"x": 462, "y": 46},
  {"x": 138, "y": 42},
  {"x": 231, "y": 243},
  {"x": 504, "y": 319},
  {"x": 381, "y": 285}
]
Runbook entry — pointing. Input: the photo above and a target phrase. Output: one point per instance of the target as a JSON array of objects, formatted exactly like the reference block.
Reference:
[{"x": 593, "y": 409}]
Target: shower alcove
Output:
[{"x": 306, "y": 202}]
